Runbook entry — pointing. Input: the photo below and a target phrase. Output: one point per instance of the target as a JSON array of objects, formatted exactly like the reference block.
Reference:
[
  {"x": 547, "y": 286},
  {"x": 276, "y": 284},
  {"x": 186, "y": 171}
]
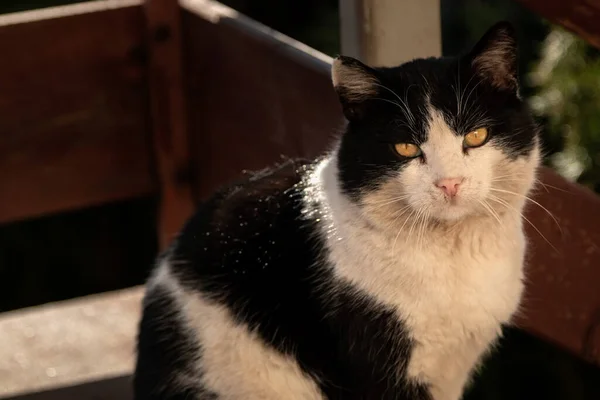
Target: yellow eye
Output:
[
  {"x": 476, "y": 138},
  {"x": 409, "y": 150}
]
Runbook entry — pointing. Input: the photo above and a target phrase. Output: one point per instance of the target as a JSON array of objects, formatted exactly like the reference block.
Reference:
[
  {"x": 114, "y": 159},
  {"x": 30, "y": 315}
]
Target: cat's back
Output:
[
  {"x": 250, "y": 237},
  {"x": 241, "y": 261}
]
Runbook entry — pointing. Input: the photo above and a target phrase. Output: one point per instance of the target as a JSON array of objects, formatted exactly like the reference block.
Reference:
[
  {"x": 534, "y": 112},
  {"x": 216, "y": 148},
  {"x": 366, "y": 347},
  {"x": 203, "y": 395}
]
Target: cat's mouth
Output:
[
  {"x": 452, "y": 201},
  {"x": 452, "y": 208}
]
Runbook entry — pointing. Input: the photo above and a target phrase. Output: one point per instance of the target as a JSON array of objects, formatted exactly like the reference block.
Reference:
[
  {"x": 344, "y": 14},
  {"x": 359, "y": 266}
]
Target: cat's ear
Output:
[
  {"x": 494, "y": 57},
  {"x": 355, "y": 83}
]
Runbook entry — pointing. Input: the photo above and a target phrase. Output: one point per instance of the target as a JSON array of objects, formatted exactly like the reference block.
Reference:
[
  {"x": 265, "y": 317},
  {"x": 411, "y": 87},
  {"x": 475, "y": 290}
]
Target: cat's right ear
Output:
[{"x": 355, "y": 83}]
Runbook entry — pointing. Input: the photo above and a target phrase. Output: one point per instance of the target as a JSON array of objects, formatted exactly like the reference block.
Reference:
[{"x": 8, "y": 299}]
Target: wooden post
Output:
[
  {"x": 390, "y": 32},
  {"x": 168, "y": 113}
]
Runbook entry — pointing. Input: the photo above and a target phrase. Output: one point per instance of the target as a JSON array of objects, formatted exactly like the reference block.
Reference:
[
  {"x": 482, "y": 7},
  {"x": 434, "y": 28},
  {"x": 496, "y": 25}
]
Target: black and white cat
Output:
[{"x": 383, "y": 270}]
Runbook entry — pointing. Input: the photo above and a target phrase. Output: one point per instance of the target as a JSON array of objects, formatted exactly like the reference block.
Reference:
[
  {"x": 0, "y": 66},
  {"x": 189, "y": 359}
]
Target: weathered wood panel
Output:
[
  {"x": 73, "y": 128},
  {"x": 579, "y": 16},
  {"x": 79, "y": 345},
  {"x": 253, "y": 97},
  {"x": 169, "y": 122},
  {"x": 563, "y": 275}
]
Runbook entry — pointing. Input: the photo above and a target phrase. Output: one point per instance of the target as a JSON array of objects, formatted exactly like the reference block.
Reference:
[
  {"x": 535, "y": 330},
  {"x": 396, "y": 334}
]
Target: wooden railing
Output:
[
  {"x": 73, "y": 99},
  {"x": 110, "y": 100}
]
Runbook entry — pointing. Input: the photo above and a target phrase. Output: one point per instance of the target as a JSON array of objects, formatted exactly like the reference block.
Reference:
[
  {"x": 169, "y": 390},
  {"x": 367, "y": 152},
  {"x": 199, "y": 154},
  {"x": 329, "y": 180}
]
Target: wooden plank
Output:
[
  {"x": 578, "y": 16},
  {"x": 168, "y": 116},
  {"x": 65, "y": 11},
  {"x": 73, "y": 131},
  {"x": 256, "y": 96},
  {"x": 117, "y": 388},
  {"x": 68, "y": 343},
  {"x": 563, "y": 300}
]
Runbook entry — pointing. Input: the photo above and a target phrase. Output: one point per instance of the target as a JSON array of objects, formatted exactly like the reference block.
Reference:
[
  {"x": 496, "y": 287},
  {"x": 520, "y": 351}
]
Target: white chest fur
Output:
[{"x": 453, "y": 290}]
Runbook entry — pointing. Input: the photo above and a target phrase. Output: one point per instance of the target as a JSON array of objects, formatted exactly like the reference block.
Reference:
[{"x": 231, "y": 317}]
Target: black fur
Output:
[
  {"x": 252, "y": 249},
  {"x": 165, "y": 349}
]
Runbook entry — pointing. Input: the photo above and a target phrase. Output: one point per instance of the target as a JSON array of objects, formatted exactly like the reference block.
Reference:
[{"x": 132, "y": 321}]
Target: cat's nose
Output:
[{"x": 449, "y": 185}]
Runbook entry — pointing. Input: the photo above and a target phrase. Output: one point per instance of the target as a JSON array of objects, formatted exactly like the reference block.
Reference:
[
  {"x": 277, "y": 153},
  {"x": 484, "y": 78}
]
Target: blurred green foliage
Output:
[{"x": 567, "y": 97}]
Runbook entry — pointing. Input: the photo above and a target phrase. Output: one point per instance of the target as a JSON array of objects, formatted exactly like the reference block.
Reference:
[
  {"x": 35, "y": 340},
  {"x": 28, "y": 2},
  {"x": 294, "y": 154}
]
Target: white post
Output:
[{"x": 390, "y": 32}]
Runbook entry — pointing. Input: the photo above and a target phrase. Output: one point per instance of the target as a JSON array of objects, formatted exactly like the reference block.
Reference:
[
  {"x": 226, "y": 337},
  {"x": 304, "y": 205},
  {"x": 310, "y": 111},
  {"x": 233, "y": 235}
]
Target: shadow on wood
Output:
[{"x": 118, "y": 388}]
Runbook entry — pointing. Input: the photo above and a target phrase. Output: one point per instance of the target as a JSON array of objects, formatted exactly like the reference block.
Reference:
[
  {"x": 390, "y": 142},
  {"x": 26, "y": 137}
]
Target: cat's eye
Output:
[
  {"x": 476, "y": 138},
  {"x": 409, "y": 150}
]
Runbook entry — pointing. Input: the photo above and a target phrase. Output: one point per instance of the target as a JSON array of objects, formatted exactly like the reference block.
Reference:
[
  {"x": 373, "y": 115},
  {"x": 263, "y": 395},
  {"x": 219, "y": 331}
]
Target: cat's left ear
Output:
[
  {"x": 494, "y": 57},
  {"x": 355, "y": 83}
]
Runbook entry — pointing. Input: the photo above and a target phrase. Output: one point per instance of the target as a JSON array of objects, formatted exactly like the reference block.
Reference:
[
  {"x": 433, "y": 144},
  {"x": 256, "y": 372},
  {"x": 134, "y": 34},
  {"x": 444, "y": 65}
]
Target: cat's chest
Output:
[
  {"x": 468, "y": 292},
  {"x": 453, "y": 302},
  {"x": 456, "y": 320},
  {"x": 465, "y": 283}
]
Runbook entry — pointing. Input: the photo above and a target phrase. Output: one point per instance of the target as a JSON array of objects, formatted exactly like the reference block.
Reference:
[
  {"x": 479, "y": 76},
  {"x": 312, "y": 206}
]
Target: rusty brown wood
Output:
[
  {"x": 563, "y": 299},
  {"x": 73, "y": 111},
  {"x": 578, "y": 16},
  {"x": 255, "y": 99},
  {"x": 168, "y": 115},
  {"x": 264, "y": 99}
]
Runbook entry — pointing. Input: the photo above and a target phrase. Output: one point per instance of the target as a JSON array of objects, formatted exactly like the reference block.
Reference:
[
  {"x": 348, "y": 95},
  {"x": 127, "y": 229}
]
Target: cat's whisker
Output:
[
  {"x": 520, "y": 178},
  {"x": 508, "y": 180},
  {"x": 537, "y": 180},
  {"x": 462, "y": 92},
  {"x": 408, "y": 114},
  {"x": 404, "y": 110},
  {"x": 546, "y": 186},
  {"x": 406, "y": 207},
  {"x": 472, "y": 89},
  {"x": 418, "y": 222},
  {"x": 421, "y": 236},
  {"x": 415, "y": 223},
  {"x": 509, "y": 176},
  {"x": 400, "y": 230},
  {"x": 406, "y": 101},
  {"x": 400, "y": 213},
  {"x": 509, "y": 206},
  {"x": 542, "y": 184},
  {"x": 531, "y": 200},
  {"x": 390, "y": 101},
  {"x": 390, "y": 200},
  {"x": 490, "y": 210},
  {"x": 457, "y": 91},
  {"x": 379, "y": 206}
]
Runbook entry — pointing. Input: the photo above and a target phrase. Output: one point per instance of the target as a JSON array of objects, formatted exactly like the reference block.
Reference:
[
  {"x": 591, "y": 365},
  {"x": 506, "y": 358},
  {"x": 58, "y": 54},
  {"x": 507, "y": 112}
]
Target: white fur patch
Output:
[
  {"x": 235, "y": 363},
  {"x": 455, "y": 274}
]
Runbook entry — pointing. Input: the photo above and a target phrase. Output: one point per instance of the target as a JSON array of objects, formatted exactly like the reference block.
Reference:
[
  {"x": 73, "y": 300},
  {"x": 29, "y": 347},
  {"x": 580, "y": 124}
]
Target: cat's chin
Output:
[{"x": 452, "y": 213}]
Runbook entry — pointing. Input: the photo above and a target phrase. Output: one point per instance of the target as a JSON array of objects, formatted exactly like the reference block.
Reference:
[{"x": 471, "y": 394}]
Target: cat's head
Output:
[{"x": 442, "y": 138}]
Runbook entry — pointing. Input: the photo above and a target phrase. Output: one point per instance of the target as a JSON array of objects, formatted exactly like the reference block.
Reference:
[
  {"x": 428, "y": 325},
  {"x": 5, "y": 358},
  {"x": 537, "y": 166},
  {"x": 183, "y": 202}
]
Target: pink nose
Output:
[{"x": 449, "y": 186}]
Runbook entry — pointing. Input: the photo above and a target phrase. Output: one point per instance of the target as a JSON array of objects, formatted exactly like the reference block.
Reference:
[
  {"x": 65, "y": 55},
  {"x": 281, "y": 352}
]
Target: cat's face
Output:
[{"x": 438, "y": 139}]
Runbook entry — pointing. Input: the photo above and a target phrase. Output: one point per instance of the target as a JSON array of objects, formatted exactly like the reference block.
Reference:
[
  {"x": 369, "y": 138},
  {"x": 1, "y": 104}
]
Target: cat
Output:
[{"x": 384, "y": 269}]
